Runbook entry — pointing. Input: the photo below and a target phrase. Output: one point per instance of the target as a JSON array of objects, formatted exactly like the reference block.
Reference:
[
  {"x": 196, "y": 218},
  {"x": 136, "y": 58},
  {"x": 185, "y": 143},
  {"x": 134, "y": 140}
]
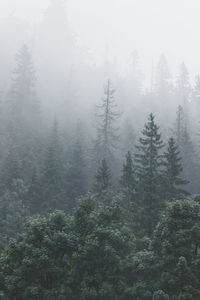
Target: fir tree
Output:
[
  {"x": 176, "y": 246},
  {"x": 128, "y": 180},
  {"x": 172, "y": 172},
  {"x": 102, "y": 179},
  {"x": 23, "y": 106},
  {"x": 52, "y": 182},
  {"x": 23, "y": 121},
  {"x": 148, "y": 167},
  {"x": 187, "y": 150},
  {"x": 180, "y": 125},
  {"x": 76, "y": 177},
  {"x": 189, "y": 158}
]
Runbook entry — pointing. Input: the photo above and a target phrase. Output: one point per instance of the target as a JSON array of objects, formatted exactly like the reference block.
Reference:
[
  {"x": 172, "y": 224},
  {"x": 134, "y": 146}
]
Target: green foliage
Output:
[
  {"x": 148, "y": 167},
  {"x": 187, "y": 150},
  {"x": 128, "y": 180},
  {"x": 176, "y": 244},
  {"x": 76, "y": 175},
  {"x": 36, "y": 264},
  {"x": 79, "y": 257},
  {"x": 160, "y": 295},
  {"x": 172, "y": 171},
  {"x": 13, "y": 210},
  {"x": 52, "y": 192},
  {"x": 106, "y": 242},
  {"x": 102, "y": 179}
]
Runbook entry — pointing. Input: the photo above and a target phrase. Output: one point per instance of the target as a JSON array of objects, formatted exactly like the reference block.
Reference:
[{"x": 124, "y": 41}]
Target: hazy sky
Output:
[{"x": 150, "y": 26}]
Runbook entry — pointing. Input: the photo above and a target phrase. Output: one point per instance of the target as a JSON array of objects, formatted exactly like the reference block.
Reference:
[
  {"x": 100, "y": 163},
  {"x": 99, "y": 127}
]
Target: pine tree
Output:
[
  {"x": 176, "y": 247},
  {"x": 187, "y": 150},
  {"x": 180, "y": 125},
  {"x": 128, "y": 180},
  {"x": 76, "y": 178},
  {"x": 102, "y": 179},
  {"x": 107, "y": 136},
  {"x": 52, "y": 182},
  {"x": 148, "y": 168},
  {"x": 12, "y": 167},
  {"x": 172, "y": 172},
  {"x": 23, "y": 121},
  {"x": 189, "y": 159},
  {"x": 13, "y": 210}
]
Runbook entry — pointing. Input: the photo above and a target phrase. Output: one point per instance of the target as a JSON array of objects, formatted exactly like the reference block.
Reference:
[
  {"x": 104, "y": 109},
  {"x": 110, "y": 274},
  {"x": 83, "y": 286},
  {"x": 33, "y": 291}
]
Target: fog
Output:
[
  {"x": 99, "y": 149},
  {"x": 76, "y": 46},
  {"x": 118, "y": 27}
]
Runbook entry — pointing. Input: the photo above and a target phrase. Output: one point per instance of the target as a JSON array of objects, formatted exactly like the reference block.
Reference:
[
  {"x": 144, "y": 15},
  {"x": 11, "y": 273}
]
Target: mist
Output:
[{"x": 99, "y": 149}]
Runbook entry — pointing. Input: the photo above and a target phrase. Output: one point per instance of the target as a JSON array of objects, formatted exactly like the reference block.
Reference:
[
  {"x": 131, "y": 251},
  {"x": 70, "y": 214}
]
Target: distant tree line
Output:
[{"x": 82, "y": 219}]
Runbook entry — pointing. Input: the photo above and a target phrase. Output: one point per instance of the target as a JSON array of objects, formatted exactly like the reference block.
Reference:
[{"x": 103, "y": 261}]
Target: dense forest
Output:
[{"x": 99, "y": 175}]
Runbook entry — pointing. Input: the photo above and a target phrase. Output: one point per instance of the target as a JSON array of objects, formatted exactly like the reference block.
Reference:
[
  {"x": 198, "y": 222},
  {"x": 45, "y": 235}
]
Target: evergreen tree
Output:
[
  {"x": 107, "y": 136},
  {"x": 12, "y": 166},
  {"x": 189, "y": 161},
  {"x": 128, "y": 180},
  {"x": 187, "y": 150},
  {"x": 102, "y": 179},
  {"x": 180, "y": 125},
  {"x": 76, "y": 177},
  {"x": 148, "y": 168},
  {"x": 169, "y": 268},
  {"x": 23, "y": 106},
  {"x": 13, "y": 210},
  {"x": 78, "y": 257},
  {"x": 23, "y": 122},
  {"x": 38, "y": 260},
  {"x": 52, "y": 194},
  {"x": 172, "y": 171},
  {"x": 105, "y": 244},
  {"x": 176, "y": 246}
]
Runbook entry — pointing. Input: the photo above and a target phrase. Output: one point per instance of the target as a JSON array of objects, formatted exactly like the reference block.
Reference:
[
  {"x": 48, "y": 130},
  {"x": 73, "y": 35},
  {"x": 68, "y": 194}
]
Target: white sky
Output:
[{"x": 150, "y": 26}]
